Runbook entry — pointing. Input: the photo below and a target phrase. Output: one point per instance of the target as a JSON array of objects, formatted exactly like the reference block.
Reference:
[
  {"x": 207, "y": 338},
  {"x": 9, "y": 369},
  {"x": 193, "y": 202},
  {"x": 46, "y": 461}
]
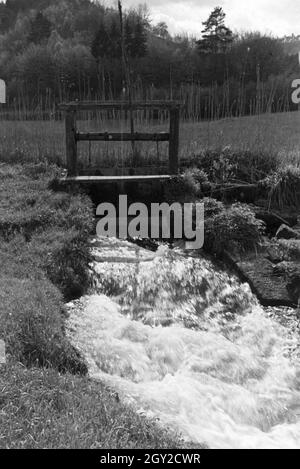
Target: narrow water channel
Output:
[{"x": 189, "y": 344}]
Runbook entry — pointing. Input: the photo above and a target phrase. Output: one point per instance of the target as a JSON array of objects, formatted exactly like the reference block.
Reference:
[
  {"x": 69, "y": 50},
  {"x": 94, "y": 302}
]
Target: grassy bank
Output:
[
  {"x": 46, "y": 401},
  {"x": 42, "y": 409}
]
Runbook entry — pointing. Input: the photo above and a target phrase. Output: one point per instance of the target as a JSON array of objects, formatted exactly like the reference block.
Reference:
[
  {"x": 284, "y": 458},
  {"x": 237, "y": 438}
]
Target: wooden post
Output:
[
  {"x": 2, "y": 92},
  {"x": 71, "y": 144},
  {"x": 174, "y": 140}
]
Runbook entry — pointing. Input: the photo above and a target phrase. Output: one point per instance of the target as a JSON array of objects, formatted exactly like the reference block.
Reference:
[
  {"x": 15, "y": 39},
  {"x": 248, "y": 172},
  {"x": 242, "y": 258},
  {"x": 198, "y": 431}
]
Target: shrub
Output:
[
  {"x": 235, "y": 228},
  {"x": 197, "y": 176},
  {"x": 284, "y": 187},
  {"x": 212, "y": 207},
  {"x": 227, "y": 165},
  {"x": 188, "y": 186}
]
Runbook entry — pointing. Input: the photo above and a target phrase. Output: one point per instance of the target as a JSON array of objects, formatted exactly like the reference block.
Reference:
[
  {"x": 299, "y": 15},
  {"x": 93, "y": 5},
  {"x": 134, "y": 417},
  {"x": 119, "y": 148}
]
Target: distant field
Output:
[{"x": 39, "y": 140}]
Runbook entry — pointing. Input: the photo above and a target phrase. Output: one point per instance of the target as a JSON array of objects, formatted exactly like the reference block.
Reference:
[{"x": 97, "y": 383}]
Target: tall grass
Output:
[
  {"x": 276, "y": 134},
  {"x": 233, "y": 98}
]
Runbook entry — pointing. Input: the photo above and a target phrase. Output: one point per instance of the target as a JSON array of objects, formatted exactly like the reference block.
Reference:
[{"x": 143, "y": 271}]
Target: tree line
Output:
[{"x": 61, "y": 50}]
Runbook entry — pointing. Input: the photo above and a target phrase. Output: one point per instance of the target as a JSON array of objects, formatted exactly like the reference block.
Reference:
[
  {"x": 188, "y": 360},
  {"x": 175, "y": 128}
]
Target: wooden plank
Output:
[
  {"x": 149, "y": 170},
  {"x": 115, "y": 179},
  {"x": 122, "y": 137},
  {"x": 118, "y": 105},
  {"x": 174, "y": 141},
  {"x": 123, "y": 260},
  {"x": 71, "y": 145}
]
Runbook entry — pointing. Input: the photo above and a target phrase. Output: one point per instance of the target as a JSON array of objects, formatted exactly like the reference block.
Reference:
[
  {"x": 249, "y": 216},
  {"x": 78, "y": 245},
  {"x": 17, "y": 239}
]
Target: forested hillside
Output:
[{"x": 58, "y": 50}]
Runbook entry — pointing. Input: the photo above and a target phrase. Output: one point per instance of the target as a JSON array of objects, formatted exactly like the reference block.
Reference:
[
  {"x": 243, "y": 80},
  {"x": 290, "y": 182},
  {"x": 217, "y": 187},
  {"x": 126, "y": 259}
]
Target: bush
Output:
[
  {"x": 198, "y": 176},
  {"x": 212, "y": 207},
  {"x": 188, "y": 186},
  {"x": 284, "y": 187},
  {"x": 227, "y": 165},
  {"x": 235, "y": 228}
]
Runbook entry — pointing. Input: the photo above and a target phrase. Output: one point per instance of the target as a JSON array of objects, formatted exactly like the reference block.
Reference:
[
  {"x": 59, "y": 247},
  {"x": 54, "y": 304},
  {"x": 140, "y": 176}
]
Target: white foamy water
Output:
[{"x": 191, "y": 346}]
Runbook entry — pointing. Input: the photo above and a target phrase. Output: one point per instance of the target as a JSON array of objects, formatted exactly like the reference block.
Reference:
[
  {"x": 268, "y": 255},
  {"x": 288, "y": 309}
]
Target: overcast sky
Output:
[{"x": 279, "y": 17}]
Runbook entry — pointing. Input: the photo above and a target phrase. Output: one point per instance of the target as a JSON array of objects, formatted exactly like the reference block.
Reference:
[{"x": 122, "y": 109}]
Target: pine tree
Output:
[
  {"x": 101, "y": 44},
  {"x": 40, "y": 29},
  {"x": 135, "y": 37},
  {"x": 216, "y": 37},
  {"x": 107, "y": 43},
  {"x": 115, "y": 40},
  {"x": 139, "y": 46},
  {"x": 128, "y": 36}
]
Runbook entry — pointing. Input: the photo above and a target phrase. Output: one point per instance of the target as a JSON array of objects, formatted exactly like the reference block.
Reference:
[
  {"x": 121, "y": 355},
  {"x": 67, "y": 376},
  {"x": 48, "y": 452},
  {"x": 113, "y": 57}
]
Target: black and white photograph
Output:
[{"x": 149, "y": 229}]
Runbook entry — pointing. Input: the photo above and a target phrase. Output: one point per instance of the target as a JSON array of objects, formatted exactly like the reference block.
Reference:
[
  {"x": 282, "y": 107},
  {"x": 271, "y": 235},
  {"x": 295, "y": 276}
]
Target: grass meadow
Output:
[{"x": 34, "y": 141}]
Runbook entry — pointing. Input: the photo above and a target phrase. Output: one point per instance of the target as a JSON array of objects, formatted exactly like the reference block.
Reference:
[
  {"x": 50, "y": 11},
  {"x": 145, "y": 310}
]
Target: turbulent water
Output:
[{"x": 190, "y": 345}]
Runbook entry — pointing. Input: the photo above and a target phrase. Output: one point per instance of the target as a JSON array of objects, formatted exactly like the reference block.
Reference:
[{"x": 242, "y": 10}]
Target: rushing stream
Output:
[{"x": 188, "y": 344}]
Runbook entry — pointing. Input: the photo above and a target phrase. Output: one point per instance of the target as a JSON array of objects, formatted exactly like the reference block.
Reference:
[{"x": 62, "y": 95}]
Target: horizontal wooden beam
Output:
[
  {"x": 122, "y": 137},
  {"x": 118, "y": 105},
  {"x": 115, "y": 179}
]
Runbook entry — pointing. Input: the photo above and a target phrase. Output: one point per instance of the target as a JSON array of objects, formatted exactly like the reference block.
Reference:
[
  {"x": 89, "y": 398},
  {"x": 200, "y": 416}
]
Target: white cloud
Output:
[{"x": 278, "y": 17}]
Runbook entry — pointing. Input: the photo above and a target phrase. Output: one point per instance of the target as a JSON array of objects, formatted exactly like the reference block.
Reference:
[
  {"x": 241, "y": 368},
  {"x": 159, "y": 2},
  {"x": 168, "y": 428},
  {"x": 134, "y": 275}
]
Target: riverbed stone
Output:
[
  {"x": 293, "y": 284},
  {"x": 274, "y": 253},
  {"x": 270, "y": 289},
  {"x": 268, "y": 280},
  {"x": 285, "y": 232},
  {"x": 272, "y": 220}
]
